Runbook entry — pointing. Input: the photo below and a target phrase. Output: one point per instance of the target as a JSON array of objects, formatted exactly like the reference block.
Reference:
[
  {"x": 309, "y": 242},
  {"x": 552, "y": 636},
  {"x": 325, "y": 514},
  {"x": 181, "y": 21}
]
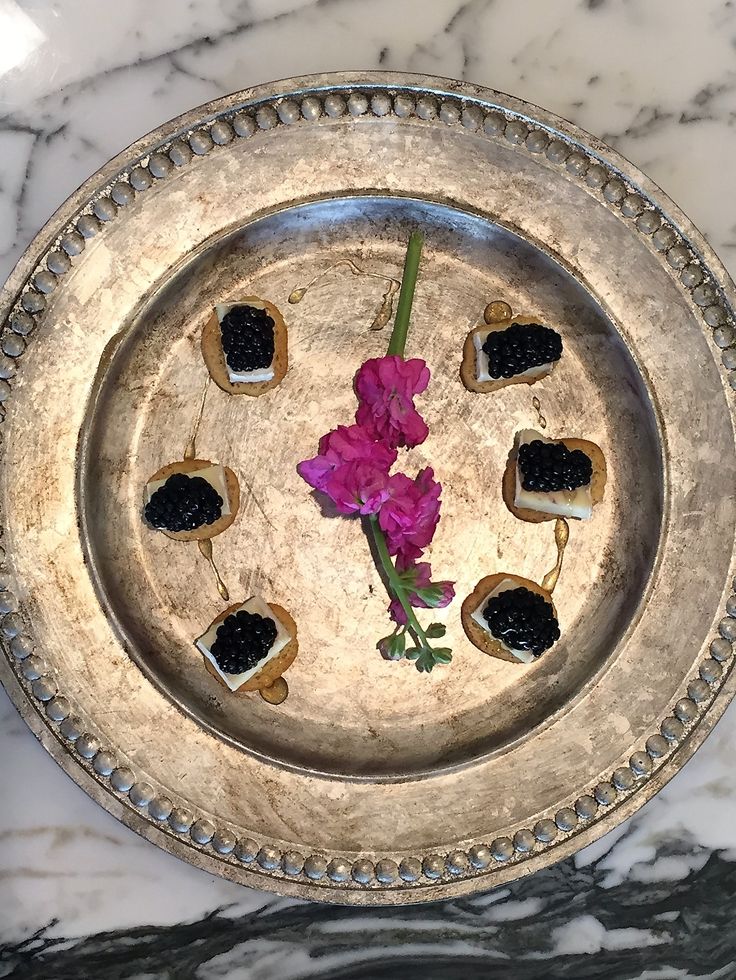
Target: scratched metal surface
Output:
[
  {"x": 386, "y": 719},
  {"x": 368, "y": 759}
]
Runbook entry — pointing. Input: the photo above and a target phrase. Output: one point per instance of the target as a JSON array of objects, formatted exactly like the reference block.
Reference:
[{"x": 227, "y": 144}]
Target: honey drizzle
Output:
[
  {"x": 541, "y": 420},
  {"x": 386, "y": 308},
  {"x": 205, "y": 549},
  {"x": 562, "y": 535},
  {"x": 191, "y": 451}
]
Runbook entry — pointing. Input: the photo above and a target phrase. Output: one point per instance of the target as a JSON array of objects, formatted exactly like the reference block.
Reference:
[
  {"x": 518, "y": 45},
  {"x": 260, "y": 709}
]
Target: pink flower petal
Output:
[
  {"x": 385, "y": 387},
  {"x": 410, "y": 515},
  {"x": 351, "y": 468}
]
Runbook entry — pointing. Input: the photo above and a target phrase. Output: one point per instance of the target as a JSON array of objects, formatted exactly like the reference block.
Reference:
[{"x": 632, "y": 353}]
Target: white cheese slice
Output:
[
  {"x": 243, "y": 377},
  {"x": 562, "y": 503},
  {"x": 214, "y": 475},
  {"x": 481, "y": 362},
  {"x": 525, "y": 656},
  {"x": 253, "y": 605}
]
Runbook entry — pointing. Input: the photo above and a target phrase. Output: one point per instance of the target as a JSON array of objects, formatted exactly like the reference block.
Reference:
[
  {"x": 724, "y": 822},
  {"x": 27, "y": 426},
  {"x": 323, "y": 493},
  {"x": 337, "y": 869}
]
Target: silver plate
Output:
[{"x": 371, "y": 784}]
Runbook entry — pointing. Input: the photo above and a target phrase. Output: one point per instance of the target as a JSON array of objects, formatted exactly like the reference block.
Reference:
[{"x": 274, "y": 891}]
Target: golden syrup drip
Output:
[
  {"x": 205, "y": 549},
  {"x": 277, "y": 693},
  {"x": 541, "y": 420},
  {"x": 562, "y": 536},
  {"x": 386, "y": 308},
  {"x": 191, "y": 451},
  {"x": 497, "y": 311}
]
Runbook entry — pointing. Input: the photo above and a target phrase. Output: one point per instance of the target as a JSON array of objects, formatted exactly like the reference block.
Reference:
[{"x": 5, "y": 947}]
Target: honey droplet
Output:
[
  {"x": 277, "y": 693},
  {"x": 541, "y": 420},
  {"x": 497, "y": 311}
]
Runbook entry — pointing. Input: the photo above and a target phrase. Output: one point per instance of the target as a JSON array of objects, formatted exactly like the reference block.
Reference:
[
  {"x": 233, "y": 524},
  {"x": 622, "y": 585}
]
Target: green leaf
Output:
[
  {"x": 431, "y": 594},
  {"x": 414, "y": 653},
  {"x": 442, "y": 655},
  {"x": 435, "y": 630},
  {"x": 397, "y": 645},
  {"x": 392, "y": 647},
  {"x": 425, "y": 661}
]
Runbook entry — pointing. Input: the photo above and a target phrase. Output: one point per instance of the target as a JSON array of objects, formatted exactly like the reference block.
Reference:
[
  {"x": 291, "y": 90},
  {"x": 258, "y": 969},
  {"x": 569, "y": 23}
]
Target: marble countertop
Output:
[{"x": 80, "y": 895}]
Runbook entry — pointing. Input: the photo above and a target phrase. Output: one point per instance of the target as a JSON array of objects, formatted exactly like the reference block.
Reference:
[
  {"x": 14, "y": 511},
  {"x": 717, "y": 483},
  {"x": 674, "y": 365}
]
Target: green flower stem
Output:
[
  {"x": 395, "y": 582},
  {"x": 397, "y": 344}
]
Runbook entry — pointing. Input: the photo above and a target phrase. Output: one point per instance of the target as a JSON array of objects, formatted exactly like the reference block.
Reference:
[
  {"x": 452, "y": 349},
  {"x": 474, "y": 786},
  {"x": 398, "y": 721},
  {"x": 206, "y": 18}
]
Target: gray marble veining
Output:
[{"x": 80, "y": 896}]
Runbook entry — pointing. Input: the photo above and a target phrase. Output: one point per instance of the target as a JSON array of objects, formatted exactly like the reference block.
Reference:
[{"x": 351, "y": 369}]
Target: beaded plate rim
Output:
[{"x": 30, "y": 682}]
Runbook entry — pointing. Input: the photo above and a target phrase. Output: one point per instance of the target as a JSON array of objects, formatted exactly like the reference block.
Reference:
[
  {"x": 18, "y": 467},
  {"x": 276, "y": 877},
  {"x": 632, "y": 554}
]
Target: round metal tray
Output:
[{"x": 372, "y": 783}]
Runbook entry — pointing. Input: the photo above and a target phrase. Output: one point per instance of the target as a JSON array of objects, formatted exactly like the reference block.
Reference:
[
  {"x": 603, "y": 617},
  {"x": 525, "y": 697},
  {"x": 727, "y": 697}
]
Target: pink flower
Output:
[
  {"x": 351, "y": 469},
  {"x": 428, "y": 594},
  {"x": 385, "y": 387},
  {"x": 409, "y": 516}
]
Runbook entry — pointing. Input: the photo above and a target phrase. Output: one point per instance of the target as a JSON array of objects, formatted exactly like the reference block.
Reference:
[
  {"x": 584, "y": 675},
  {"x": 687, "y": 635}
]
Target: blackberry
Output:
[
  {"x": 522, "y": 620},
  {"x": 549, "y": 466},
  {"x": 520, "y": 347},
  {"x": 183, "y": 503},
  {"x": 242, "y": 640},
  {"x": 247, "y": 338}
]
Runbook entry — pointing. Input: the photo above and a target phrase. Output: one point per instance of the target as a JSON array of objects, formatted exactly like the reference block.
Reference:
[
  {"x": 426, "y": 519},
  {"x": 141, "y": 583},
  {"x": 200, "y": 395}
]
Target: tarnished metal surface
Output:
[{"x": 368, "y": 766}]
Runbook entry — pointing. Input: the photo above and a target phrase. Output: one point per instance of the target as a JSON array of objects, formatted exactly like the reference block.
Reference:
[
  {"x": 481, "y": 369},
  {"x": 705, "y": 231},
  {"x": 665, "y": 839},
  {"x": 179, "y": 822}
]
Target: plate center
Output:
[{"x": 349, "y": 712}]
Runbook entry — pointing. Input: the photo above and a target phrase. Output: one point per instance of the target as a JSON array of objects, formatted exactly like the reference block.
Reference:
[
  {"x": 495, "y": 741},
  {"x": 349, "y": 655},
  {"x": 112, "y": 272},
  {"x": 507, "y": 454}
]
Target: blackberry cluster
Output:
[
  {"x": 520, "y": 347},
  {"x": 549, "y": 466},
  {"x": 523, "y": 620},
  {"x": 247, "y": 338},
  {"x": 242, "y": 640},
  {"x": 183, "y": 503}
]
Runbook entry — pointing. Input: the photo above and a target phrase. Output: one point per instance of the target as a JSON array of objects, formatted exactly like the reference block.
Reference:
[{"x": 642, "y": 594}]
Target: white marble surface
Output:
[{"x": 78, "y": 81}]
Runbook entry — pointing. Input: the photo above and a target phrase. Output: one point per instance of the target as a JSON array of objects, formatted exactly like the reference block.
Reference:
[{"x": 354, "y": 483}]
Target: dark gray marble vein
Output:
[
  {"x": 680, "y": 929},
  {"x": 462, "y": 29}
]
